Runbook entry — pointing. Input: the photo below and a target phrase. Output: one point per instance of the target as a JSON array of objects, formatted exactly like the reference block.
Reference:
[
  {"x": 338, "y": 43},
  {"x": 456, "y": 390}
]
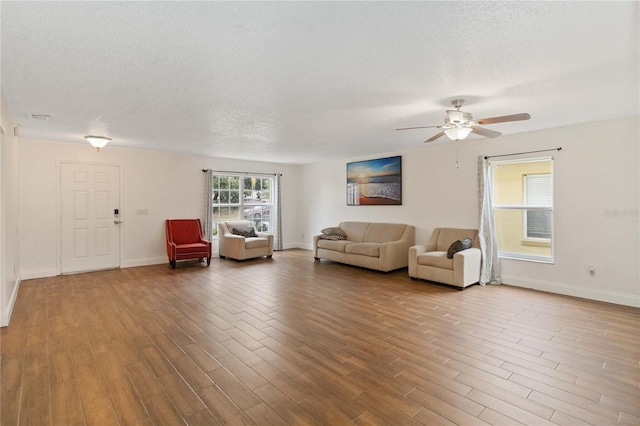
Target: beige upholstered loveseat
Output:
[
  {"x": 380, "y": 246},
  {"x": 429, "y": 261},
  {"x": 240, "y": 248}
]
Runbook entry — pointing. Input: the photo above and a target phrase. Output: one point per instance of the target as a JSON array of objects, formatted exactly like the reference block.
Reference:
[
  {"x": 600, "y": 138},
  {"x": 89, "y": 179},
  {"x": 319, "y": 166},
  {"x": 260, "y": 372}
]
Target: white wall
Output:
[
  {"x": 9, "y": 215},
  {"x": 596, "y": 183},
  {"x": 596, "y": 178},
  {"x": 168, "y": 185}
]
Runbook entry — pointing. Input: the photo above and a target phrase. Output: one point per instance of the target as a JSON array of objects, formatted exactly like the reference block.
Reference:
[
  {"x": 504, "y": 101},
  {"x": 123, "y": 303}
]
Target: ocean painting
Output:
[{"x": 375, "y": 182}]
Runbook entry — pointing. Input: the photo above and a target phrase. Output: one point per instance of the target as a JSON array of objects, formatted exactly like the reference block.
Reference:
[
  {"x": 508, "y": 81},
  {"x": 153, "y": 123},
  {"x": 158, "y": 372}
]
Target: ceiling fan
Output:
[{"x": 458, "y": 124}]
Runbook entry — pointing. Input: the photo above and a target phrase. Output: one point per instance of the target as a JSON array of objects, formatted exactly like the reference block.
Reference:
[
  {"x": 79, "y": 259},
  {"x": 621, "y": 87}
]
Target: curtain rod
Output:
[
  {"x": 520, "y": 153},
  {"x": 243, "y": 173}
]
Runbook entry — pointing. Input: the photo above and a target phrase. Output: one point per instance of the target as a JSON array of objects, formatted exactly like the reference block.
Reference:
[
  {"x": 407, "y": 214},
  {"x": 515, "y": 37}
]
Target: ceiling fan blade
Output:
[
  {"x": 433, "y": 138},
  {"x": 421, "y": 127},
  {"x": 504, "y": 118},
  {"x": 485, "y": 132}
]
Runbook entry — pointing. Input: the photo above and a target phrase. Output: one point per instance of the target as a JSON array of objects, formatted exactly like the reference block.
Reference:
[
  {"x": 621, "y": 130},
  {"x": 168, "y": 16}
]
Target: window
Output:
[
  {"x": 523, "y": 208},
  {"x": 237, "y": 197}
]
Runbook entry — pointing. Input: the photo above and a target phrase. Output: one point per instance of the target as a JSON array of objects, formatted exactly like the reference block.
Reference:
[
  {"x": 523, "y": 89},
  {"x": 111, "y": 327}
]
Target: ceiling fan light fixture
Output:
[
  {"x": 97, "y": 141},
  {"x": 458, "y": 124},
  {"x": 455, "y": 117},
  {"x": 457, "y": 133}
]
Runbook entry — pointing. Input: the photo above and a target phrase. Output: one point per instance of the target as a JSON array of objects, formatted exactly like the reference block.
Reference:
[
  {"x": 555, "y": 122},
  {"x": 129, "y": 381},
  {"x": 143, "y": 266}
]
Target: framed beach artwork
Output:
[{"x": 375, "y": 182}]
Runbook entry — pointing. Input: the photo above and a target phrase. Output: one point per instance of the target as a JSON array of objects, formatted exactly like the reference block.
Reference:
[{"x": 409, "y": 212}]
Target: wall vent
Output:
[{"x": 40, "y": 117}]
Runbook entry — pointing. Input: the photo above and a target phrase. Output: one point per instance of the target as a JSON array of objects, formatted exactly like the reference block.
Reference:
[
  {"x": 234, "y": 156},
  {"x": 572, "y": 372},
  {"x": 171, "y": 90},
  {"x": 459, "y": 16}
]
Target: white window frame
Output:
[{"x": 523, "y": 207}]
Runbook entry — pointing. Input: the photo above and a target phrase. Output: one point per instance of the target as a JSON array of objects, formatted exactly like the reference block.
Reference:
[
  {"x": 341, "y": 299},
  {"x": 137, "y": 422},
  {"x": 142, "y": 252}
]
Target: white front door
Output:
[{"x": 89, "y": 224}]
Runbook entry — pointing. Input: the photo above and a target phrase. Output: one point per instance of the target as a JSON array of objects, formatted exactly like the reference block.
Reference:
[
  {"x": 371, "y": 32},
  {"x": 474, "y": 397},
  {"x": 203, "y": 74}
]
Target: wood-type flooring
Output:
[{"x": 292, "y": 341}]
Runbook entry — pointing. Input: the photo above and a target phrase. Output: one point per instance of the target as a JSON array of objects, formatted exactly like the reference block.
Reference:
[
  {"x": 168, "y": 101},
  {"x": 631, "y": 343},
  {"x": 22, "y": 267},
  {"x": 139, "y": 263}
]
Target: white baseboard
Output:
[
  {"x": 6, "y": 315},
  {"x": 291, "y": 246},
  {"x": 575, "y": 291},
  {"x": 39, "y": 273},
  {"x": 145, "y": 261},
  {"x": 304, "y": 246}
]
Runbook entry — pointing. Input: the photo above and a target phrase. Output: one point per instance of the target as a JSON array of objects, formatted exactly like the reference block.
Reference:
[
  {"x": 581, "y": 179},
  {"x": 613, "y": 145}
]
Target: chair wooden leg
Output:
[
  {"x": 208, "y": 261},
  {"x": 173, "y": 264}
]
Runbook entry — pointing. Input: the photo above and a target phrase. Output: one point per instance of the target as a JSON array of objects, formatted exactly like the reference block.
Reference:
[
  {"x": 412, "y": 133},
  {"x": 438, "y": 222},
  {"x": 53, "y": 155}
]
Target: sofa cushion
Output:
[
  {"x": 253, "y": 242},
  {"x": 355, "y": 230},
  {"x": 334, "y": 245},
  {"x": 384, "y": 232},
  {"x": 437, "y": 259},
  {"x": 458, "y": 245},
  {"x": 364, "y": 249},
  {"x": 191, "y": 248},
  {"x": 244, "y": 232}
]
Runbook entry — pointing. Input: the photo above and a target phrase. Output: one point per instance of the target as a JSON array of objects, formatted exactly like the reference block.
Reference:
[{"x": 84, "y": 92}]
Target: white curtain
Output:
[
  {"x": 490, "y": 268},
  {"x": 208, "y": 195},
  {"x": 277, "y": 220}
]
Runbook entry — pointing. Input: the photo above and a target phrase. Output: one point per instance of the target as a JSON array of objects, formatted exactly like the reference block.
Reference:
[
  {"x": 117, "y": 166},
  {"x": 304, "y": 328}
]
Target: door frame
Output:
[{"x": 59, "y": 164}]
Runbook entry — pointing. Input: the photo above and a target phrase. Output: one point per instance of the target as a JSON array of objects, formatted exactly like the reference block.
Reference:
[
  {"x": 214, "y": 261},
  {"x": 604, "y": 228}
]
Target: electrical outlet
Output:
[{"x": 592, "y": 271}]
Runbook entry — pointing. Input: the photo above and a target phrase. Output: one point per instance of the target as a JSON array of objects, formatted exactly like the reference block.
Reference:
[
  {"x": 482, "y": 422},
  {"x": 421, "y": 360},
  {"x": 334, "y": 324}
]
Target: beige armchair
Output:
[
  {"x": 240, "y": 248},
  {"x": 429, "y": 261}
]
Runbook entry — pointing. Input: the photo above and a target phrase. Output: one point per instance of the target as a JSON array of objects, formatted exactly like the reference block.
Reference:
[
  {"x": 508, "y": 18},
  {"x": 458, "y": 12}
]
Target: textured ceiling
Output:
[{"x": 299, "y": 82}]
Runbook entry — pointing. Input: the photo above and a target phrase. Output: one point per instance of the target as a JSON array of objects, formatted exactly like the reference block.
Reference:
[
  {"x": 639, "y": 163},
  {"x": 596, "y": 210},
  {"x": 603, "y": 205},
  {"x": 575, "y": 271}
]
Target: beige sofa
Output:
[
  {"x": 240, "y": 248},
  {"x": 429, "y": 261},
  {"x": 380, "y": 246}
]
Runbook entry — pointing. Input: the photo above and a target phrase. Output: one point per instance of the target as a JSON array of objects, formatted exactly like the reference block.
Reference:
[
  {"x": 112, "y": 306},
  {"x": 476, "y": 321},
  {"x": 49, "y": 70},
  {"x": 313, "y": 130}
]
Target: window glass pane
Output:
[
  {"x": 260, "y": 215},
  {"x": 511, "y": 238},
  {"x": 538, "y": 190},
  {"x": 224, "y": 182},
  {"x": 226, "y": 213},
  {"x": 538, "y": 224},
  {"x": 247, "y": 183},
  {"x": 509, "y": 180},
  {"x": 265, "y": 192},
  {"x": 234, "y": 197},
  {"x": 260, "y": 212},
  {"x": 224, "y": 197},
  {"x": 217, "y": 212},
  {"x": 234, "y": 182}
]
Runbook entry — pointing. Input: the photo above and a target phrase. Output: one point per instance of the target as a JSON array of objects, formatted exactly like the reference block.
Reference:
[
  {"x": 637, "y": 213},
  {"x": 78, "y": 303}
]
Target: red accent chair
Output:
[{"x": 185, "y": 241}]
